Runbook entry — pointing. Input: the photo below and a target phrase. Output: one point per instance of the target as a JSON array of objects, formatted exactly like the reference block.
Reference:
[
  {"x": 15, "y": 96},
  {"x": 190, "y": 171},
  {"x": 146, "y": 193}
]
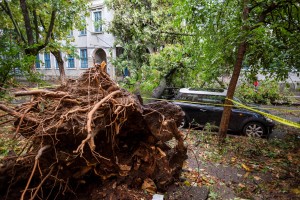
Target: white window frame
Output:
[{"x": 100, "y": 28}]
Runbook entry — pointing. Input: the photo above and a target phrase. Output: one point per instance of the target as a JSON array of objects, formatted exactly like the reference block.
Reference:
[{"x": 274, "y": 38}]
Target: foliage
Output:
[
  {"x": 70, "y": 15},
  {"x": 209, "y": 34},
  {"x": 13, "y": 62},
  {"x": 142, "y": 28},
  {"x": 267, "y": 92},
  {"x": 35, "y": 25},
  {"x": 171, "y": 63},
  {"x": 8, "y": 61},
  {"x": 214, "y": 25},
  {"x": 227, "y": 33},
  {"x": 270, "y": 31}
]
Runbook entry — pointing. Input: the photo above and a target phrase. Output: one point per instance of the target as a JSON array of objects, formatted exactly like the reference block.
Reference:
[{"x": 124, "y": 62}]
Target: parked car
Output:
[{"x": 206, "y": 106}]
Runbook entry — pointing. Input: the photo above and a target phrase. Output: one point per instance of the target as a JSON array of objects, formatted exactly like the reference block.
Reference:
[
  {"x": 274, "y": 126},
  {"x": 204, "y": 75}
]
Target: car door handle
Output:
[{"x": 202, "y": 110}]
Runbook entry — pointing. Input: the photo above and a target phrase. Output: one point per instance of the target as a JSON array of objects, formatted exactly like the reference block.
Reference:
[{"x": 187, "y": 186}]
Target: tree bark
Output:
[
  {"x": 164, "y": 82},
  {"x": 26, "y": 18},
  {"x": 5, "y": 6},
  {"x": 47, "y": 93},
  {"x": 32, "y": 47},
  {"x": 231, "y": 88},
  {"x": 17, "y": 114},
  {"x": 60, "y": 62},
  {"x": 234, "y": 79},
  {"x": 157, "y": 92}
]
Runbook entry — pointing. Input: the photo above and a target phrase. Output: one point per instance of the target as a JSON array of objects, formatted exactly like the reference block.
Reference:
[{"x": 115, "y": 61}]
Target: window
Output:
[
  {"x": 97, "y": 21},
  {"x": 56, "y": 64},
  {"x": 185, "y": 97},
  {"x": 83, "y": 31},
  {"x": 210, "y": 99},
  {"x": 71, "y": 63},
  {"x": 70, "y": 34},
  {"x": 83, "y": 58},
  {"x": 37, "y": 62},
  {"x": 47, "y": 60},
  {"x": 202, "y": 98}
]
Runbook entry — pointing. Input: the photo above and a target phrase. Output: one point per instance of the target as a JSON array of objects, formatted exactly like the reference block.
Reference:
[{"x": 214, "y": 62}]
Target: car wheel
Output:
[
  {"x": 184, "y": 123},
  {"x": 254, "y": 129}
]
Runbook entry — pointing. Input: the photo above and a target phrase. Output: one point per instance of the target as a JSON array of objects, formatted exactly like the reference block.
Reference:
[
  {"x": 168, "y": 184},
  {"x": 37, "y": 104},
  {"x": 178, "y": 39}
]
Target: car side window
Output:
[
  {"x": 210, "y": 99},
  {"x": 184, "y": 97},
  {"x": 215, "y": 100}
]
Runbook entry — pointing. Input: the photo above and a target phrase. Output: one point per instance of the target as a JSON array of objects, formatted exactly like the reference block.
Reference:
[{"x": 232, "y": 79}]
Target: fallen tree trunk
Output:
[{"x": 107, "y": 142}]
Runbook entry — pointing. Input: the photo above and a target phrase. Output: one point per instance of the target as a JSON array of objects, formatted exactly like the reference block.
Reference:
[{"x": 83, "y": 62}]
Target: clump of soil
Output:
[{"x": 91, "y": 139}]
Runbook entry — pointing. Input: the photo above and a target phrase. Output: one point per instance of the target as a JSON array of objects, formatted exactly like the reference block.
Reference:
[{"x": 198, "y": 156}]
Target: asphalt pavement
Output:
[{"x": 291, "y": 113}]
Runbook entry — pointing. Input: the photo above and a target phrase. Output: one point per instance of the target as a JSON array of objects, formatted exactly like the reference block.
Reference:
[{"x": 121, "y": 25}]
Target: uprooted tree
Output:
[{"x": 87, "y": 134}]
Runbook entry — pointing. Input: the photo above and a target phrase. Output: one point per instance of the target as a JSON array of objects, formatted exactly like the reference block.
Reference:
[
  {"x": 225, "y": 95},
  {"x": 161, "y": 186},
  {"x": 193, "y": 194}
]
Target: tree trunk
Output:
[
  {"x": 157, "y": 92},
  {"x": 164, "y": 82},
  {"x": 231, "y": 88},
  {"x": 26, "y": 18},
  {"x": 222, "y": 85},
  {"x": 60, "y": 62},
  {"x": 234, "y": 79}
]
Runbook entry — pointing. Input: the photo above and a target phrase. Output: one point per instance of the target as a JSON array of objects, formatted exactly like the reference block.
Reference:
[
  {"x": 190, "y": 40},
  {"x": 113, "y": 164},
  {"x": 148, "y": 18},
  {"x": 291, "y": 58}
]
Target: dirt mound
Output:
[{"x": 91, "y": 137}]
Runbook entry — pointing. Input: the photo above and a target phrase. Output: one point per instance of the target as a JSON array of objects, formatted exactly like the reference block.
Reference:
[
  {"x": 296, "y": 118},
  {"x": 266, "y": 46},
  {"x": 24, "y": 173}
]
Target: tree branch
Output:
[
  {"x": 51, "y": 25},
  {"x": 174, "y": 33},
  {"x": 26, "y": 17},
  {"x": 36, "y": 27},
  {"x": 7, "y": 9}
]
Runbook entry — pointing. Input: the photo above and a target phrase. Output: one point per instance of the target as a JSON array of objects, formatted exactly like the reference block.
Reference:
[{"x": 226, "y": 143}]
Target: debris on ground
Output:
[{"x": 91, "y": 137}]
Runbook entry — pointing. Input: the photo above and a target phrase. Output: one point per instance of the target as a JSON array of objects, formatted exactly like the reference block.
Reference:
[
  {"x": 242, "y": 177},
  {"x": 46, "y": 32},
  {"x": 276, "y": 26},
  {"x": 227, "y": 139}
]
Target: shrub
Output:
[{"x": 268, "y": 92}]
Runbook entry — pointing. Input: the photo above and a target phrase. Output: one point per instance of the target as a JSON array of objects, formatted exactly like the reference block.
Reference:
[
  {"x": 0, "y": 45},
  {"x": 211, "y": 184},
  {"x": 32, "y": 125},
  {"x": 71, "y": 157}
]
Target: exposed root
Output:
[
  {"x": 17, "y": 114},
  {"x": 40, "y": 152},
  {"x": 126, "y": 142}
]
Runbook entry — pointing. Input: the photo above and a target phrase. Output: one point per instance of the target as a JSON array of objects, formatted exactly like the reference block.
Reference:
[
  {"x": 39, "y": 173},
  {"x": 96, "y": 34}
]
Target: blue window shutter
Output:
[
  {"x": 47, "y": 60},
  {"x": 37, "y": 62},
  {"x": 83, "y": 58}
]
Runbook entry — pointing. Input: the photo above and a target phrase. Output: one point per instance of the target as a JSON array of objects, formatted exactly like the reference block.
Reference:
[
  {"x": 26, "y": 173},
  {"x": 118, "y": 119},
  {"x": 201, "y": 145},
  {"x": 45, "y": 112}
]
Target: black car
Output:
[{"x": 206, "y": 106}]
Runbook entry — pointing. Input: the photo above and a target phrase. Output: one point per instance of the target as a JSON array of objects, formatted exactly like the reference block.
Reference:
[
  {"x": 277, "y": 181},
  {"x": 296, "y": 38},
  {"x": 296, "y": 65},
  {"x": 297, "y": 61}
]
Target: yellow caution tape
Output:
[
  {"x": 237, "y": 104},
  {"x": 273, "y": 117},
  {"x": 280, "y": 109},
  {"x": 213, "y": 104},
  {"x": 192, "y": 102}
]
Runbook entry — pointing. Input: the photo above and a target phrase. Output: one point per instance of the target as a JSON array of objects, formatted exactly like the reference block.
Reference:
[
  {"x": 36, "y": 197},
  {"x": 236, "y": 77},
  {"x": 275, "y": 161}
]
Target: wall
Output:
[{"x": 92, "y": 41}]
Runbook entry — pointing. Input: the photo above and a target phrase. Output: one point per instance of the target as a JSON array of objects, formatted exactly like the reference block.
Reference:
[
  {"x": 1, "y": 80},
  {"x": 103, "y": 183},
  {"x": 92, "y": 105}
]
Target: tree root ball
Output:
[{"x": 91, "y": 137}]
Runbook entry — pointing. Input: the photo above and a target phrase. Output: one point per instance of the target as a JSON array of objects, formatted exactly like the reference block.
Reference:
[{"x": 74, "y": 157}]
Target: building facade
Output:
[{"x": 93, "y": 45}]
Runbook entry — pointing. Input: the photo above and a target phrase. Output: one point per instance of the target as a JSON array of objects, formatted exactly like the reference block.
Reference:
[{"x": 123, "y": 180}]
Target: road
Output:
[{"x": 291, "y": 113}]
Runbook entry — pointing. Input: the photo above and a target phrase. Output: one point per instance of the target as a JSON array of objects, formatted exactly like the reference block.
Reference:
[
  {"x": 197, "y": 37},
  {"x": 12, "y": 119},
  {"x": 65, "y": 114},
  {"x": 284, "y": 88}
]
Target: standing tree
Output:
[
  {"x": 261, "y": 34},
  {"x": 40, "y": 23},
  {"x": 26, "y": 24}
]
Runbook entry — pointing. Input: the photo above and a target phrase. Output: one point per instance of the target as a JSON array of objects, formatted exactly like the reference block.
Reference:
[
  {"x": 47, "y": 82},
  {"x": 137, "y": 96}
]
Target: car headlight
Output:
[{"x": 269, "y": 120}]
